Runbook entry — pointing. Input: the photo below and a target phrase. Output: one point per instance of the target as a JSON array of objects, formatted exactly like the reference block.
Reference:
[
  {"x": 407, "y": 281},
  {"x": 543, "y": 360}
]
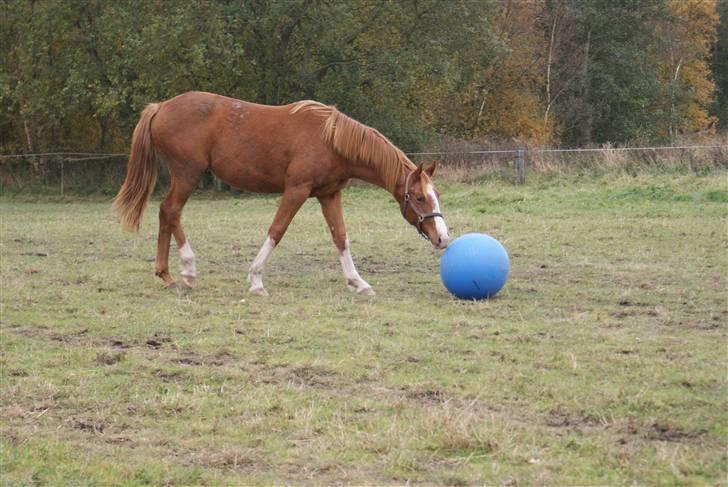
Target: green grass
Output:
[{"x": 603, "y": 361}]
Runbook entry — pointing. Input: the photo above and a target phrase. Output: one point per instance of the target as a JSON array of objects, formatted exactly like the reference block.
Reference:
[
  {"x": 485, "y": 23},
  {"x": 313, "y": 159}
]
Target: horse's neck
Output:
[{"x": 373, "y": 176}]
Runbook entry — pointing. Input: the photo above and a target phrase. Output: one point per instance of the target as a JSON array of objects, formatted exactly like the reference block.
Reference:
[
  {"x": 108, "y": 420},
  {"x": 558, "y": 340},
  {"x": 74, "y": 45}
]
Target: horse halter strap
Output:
[{"x": 421, "y": 217}]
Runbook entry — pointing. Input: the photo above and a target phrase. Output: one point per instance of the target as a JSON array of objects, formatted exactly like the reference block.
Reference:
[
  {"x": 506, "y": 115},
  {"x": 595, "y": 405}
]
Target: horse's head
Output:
[{"x": 420, "y": 206}]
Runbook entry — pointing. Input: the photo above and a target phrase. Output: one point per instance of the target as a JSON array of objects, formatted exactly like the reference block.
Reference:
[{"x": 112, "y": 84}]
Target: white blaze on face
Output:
[
  {"x": 187, "y": 265},
  {"x": 440, "y": 224}
]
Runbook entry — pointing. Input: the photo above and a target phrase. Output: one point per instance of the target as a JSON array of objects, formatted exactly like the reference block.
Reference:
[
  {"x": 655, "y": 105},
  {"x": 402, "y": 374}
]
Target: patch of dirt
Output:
[
  {"x": 247, "y": 460},
  {"x": 46, "y": 334},
  {"x": 217, "y": 360},
  {"x": 427, "y": 396},
  {"x": 90, "y": 426},
  {"x": 120, "y": 440},
  {"x": 109, "y": 358},
  {"x": 69, "y": 337},
  {"x": 188, "y": 361},
  {"x": 571, "y": 421},
  {"x": 272, "y": 340},
  {"x": 170, "y": 375},
  {"x": 313, "y": 375},
  {"x": 300, "y": 375},
  {"x": 162, "y": 337},
  {"x": 23, "y": 240},
  {"x": 633, "y": 312},
  {"x": 634, "y": 309},
  {"x": 666, "y": 432},
  {"x": 658, "y": 432},
  {"x": 24, "y": 412}
]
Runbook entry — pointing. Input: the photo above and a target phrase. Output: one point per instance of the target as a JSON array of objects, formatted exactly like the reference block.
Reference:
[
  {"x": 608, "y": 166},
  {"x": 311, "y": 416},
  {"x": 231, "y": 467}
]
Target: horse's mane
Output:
[{"x": 359, "y": 143}]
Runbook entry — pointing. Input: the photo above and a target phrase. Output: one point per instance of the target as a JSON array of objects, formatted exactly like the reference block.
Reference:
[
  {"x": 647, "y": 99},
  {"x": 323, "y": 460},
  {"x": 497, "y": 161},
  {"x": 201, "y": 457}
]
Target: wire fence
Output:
[
  {"x": 92, "y": 172},
  {"x": 520, "y": 160}
]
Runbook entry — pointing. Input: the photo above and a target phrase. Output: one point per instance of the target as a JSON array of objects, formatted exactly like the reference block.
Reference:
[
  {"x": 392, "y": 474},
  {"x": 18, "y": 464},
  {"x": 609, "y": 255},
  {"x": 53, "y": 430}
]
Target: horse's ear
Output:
[
  {"x": 431, "y": 170},
  {"x": 417, "y": 171}
]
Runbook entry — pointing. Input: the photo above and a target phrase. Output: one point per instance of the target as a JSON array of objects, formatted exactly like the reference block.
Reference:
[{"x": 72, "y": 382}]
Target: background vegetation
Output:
[{"x": 75, "y": 74}]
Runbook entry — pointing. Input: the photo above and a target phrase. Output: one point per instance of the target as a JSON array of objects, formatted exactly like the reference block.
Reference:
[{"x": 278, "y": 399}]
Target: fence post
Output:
[
  {"x": 62, "y": 169},
  {"x": 520, "y": 167}
]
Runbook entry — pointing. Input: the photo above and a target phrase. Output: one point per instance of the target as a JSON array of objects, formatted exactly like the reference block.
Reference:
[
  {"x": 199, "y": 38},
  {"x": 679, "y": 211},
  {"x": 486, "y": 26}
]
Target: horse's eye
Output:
[{"x": 420, "y": 199}]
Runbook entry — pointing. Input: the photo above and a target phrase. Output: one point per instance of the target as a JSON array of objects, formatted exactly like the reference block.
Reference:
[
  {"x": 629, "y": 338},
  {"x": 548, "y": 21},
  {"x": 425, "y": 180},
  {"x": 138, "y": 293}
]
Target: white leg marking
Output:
[
  {"x": 353, "y": 279},
  {"x": 187, "y": 266},
  {"x": 255, "y": 276},
  {"x": 440, "y": 224}
]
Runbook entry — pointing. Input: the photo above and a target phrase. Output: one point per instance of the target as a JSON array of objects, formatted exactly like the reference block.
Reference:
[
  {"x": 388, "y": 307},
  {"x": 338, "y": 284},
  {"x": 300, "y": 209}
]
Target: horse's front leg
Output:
[
  {"x": 333, "y": 213},
  {"x": 293, "y": 199}
]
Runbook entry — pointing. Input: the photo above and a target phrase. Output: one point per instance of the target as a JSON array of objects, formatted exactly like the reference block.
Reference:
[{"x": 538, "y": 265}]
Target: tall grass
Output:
[{"x": 469, "y": 161}]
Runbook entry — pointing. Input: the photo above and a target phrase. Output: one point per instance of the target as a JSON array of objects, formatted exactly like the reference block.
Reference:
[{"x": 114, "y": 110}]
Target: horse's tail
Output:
[{"x": 141, "y": 173}]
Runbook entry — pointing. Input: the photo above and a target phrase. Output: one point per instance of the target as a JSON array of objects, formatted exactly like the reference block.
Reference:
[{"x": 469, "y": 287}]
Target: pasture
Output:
[{"x": 603, "y": 361}]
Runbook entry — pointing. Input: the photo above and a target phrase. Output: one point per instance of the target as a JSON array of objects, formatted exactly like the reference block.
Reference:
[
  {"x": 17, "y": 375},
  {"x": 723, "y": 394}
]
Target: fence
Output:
[
  {"x": 87, "y": 172},
  {"x": 694, "y": 157}
]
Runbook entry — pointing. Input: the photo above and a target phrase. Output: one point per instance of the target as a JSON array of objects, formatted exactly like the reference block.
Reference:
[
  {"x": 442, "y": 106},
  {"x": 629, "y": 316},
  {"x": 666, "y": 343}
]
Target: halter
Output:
[{"x": 421, "y": 217}]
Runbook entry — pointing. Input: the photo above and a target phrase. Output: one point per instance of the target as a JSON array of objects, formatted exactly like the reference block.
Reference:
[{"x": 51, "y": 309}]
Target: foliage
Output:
[
  {"x": 75, "y": 74},
  {"x": 719, "y": 67},
  {"x": 684, "y": 67}
]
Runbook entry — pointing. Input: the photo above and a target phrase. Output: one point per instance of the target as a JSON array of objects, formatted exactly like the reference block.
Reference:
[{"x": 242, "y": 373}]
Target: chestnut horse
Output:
[{"x": 306, "y": 149}]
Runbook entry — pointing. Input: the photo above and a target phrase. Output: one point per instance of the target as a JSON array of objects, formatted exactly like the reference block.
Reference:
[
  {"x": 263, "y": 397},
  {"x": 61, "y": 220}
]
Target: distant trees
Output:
[
  {"x": 74, "y": 74},
  {"x": 719, "y": 67}
]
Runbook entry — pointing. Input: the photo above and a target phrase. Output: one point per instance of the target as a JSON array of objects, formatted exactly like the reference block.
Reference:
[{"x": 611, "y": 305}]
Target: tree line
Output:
[{"x": 74, "y": 74}]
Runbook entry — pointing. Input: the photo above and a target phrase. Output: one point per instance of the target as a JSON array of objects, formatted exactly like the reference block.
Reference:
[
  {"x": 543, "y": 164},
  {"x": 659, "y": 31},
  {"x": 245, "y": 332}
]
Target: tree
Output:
[
  {"x": 511, "y": 87},
  {"x": 618, "y": 77},
  {"x": 719, "y": 67},
  {"x": 687, "y": 38},
  {"x": 74, "y": 74}
]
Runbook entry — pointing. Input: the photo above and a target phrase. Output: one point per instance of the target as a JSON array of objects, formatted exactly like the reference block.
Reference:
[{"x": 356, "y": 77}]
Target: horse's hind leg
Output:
[{"x": 170, "y": 213}]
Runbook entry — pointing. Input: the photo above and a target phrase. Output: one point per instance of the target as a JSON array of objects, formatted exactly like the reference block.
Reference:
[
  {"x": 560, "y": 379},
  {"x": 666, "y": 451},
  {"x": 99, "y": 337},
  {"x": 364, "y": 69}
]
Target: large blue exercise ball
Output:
[{"x": 474, "y": 266}]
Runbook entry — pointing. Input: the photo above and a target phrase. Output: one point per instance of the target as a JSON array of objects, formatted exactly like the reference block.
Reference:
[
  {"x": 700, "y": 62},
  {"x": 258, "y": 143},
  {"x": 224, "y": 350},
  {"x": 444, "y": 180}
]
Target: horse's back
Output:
[
  {"x": 247, "y": 145},
  {"x": 199, "y": 110}
]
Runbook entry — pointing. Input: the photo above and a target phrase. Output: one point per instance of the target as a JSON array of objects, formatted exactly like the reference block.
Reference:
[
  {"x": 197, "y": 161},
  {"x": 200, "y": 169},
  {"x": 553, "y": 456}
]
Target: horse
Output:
[{"x": 302, "y": 150}]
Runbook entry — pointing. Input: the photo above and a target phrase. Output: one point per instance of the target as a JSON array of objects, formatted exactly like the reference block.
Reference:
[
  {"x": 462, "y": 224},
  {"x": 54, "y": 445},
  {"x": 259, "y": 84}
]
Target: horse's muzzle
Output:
[{"x": 442, "y": 242}]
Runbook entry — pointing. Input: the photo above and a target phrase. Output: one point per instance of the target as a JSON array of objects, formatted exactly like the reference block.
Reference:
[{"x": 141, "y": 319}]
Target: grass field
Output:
[{"x": 603, "y": 361}]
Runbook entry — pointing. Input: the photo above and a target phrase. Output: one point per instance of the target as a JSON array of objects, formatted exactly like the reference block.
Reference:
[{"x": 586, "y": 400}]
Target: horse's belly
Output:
[{"x": 254, "y": 178}]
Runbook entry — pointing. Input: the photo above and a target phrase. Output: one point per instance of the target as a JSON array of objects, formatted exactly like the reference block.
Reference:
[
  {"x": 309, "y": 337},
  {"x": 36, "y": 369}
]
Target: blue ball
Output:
[{"x": 474, "y": 266}]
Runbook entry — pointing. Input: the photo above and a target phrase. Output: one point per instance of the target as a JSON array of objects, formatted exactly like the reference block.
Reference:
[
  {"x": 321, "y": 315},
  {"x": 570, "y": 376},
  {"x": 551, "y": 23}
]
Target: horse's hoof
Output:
[
  {"x": 258, "y": 291},
  {"x": 189, "y": 281},
  {"x": 171, "y": 285},
  {"x": 366, "y": 291}
]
